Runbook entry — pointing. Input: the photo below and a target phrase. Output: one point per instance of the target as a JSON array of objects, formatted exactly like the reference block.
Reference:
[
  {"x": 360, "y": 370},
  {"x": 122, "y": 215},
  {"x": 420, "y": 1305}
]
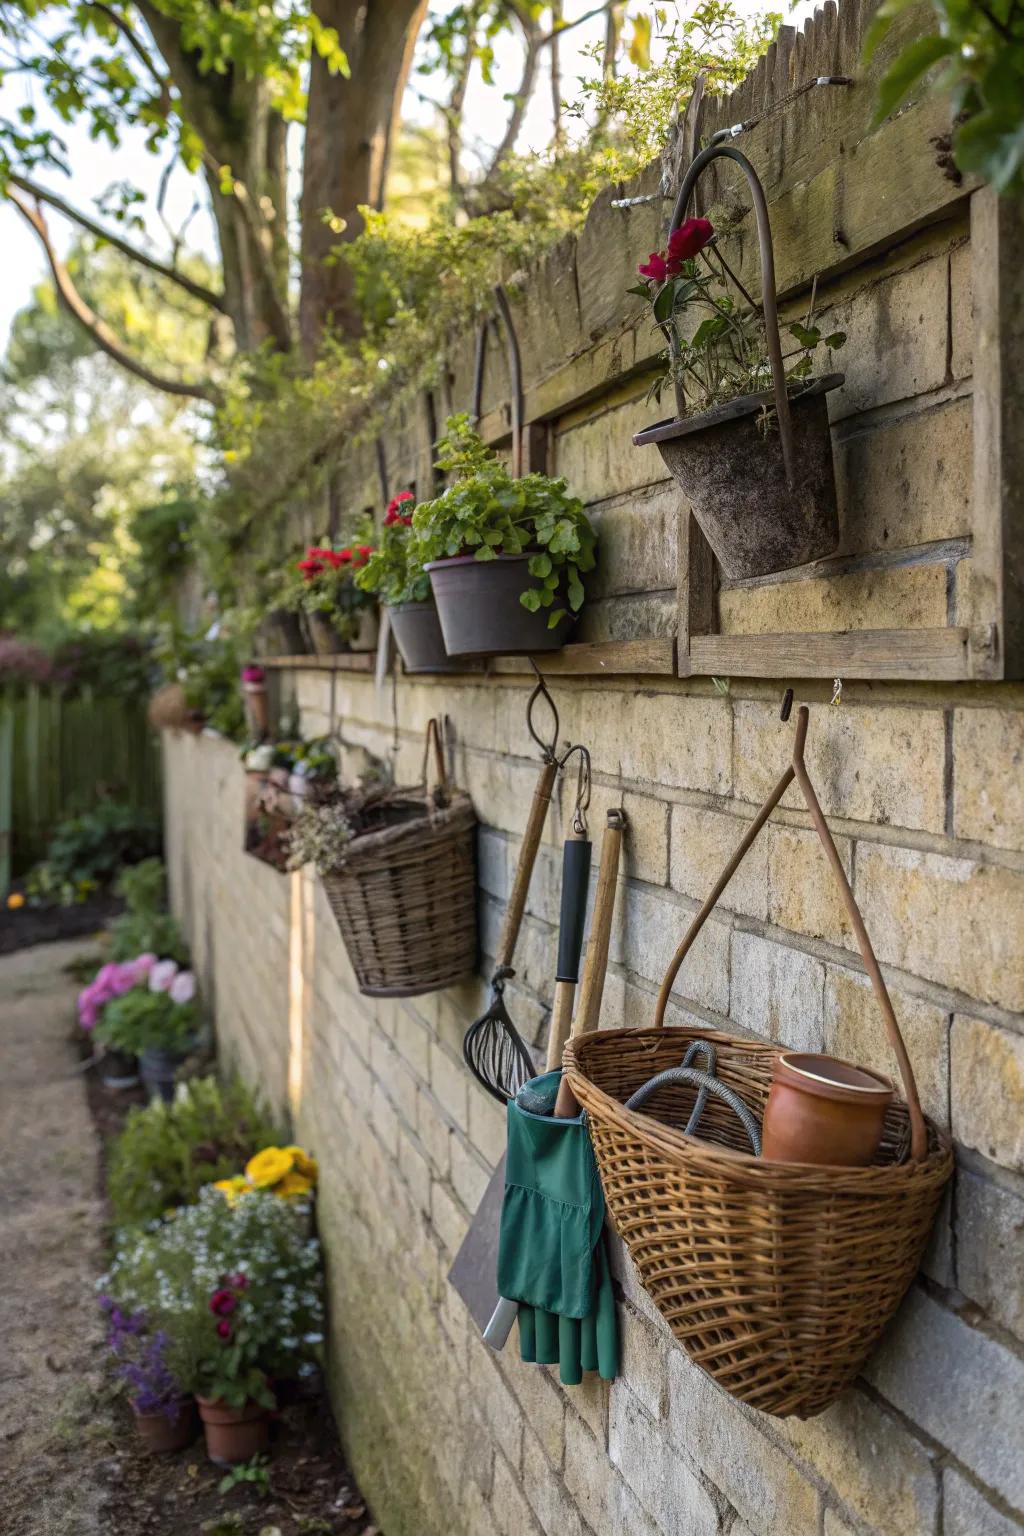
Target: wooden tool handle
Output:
[
  {"x": 561, "y": 1020},
  {"x": 527, "y": 859}
]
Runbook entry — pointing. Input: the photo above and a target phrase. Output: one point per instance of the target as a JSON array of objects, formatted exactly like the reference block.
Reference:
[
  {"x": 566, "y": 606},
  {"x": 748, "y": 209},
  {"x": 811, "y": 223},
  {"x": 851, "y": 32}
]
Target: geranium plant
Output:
[
  {"x": 327, "y": 584},
  {"x": 236, "y": 1287},
  {"x": 717, "y": 349},
  {"x": 394, "y": 571},
  {"x": 486, "y": 512}
]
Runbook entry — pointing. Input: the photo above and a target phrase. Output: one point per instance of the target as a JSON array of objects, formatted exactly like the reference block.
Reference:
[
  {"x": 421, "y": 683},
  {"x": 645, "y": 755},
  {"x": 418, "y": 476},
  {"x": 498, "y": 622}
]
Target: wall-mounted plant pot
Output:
[
  {"x": 821, "y": 1110},
  {"x": 282, "y": 634},
  {"x": 328, "y": 640},
  {"x": 480, "y": 612},
  {"x": 417, "y": 631},
  {"x": 728, "y": 463}
]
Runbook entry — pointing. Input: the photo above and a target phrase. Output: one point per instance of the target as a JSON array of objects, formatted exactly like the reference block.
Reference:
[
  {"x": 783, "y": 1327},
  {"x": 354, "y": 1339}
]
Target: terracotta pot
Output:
[
  {"x": 257, "y": 709},
  {"x": 233, "y": 1434},
  {"x": 164, "y": 1433},
  {"x": 821, "y": 1110},
  {"x": 417, "y": 632},
  {"x": 480, "y": 612},
  {"x": 731, "y": 472}
]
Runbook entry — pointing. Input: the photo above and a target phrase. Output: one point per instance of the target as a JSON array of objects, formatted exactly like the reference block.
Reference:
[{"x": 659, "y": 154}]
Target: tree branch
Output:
[
  {"x": 567, "y": 26},
  {"x": 101, "y": 333},
  {"x": 42, "y": 195}
]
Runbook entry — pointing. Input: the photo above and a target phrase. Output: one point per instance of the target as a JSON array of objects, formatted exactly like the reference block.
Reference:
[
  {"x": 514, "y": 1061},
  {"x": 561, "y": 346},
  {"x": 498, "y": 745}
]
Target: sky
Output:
[{"x": 96, "y": 166}]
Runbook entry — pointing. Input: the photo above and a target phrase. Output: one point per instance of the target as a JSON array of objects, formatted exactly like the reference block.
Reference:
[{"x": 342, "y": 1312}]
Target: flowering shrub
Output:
[
  {"x": 486, "y": 513},
  {"x": 717, "y": 350},
  {"x": 142, "y": 1361},
  {"x": 168, "y": 1152},
  {"x": 235, "y": 1286},
  {"x": 143, "y": 1004},
  {"x": 394, "y": 570},
  {"x": 319, "y": 835},
  {"x": 288, "y": 1172}
]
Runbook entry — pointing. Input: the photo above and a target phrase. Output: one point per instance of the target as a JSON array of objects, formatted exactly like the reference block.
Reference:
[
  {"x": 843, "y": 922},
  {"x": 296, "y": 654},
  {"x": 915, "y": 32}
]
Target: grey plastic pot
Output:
[
  {"x": 728, "y": 462},
  {"x": 417, "y": 631},
  {"x": 480, "y": 612},
  {"x": 119, "y": 1069},
  {"x": 283, "y": 634},
  {"x": 159, "y": 1072}
]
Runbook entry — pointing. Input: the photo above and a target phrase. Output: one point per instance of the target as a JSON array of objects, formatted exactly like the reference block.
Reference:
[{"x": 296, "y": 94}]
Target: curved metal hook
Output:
[
  {"x": 582, "y": 804},
  {"x": 541, "y": 692}
]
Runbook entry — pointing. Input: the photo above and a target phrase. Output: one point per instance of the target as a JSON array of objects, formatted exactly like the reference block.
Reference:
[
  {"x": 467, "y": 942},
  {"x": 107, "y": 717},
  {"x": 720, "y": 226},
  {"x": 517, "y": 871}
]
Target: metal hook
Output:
[
  {"x": 541, "y": 692},
  {"x": 582, "y": 805}
]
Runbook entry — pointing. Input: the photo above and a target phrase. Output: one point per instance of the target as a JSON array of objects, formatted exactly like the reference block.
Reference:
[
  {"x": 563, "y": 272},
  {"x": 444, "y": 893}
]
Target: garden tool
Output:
[{"x": 551, "y": 1256}]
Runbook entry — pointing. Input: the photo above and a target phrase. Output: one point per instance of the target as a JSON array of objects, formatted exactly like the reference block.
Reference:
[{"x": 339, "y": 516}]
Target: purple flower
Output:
[{"x": 151, "y": 1385}]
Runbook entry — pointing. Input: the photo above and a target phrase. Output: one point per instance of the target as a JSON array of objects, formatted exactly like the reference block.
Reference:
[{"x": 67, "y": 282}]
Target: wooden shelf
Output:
[
  {"x": 611, "y": 658},
  {"x": 894, "y": 654},
  {"x": 344, "y": 661}
]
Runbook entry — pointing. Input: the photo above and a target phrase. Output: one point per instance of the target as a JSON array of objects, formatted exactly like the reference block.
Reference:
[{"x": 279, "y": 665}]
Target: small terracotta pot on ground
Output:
[
  {"x": 824, "y": 1111},
  {"x": 417, "y": 631},
  {"x": 480, "y": 612},
  {"x": 164, "y": 1433},
  {"x": 233, "y": 1434}
]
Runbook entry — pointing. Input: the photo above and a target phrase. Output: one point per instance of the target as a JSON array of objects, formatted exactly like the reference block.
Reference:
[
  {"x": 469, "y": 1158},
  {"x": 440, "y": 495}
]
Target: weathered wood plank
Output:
[
  {"x": 354, "y": 661},
  {"x": 619, "y": 658},
  {"x": 892, "y": 654}
]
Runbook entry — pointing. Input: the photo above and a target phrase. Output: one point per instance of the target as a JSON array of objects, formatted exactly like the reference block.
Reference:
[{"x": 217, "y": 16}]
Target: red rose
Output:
[
  {"x": 223, "y": 1303},
  {"x": 654, "y": 267},
  {"x": 223, "y": 1329},
  {"x": 688, "y": 239}
]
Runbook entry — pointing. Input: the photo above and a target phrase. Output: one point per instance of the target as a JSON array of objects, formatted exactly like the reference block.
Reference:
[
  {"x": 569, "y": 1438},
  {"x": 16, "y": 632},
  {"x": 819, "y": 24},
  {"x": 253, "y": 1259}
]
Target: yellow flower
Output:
[
  {"x": 15, "y": 900},
  {"x": 304, "y": 1164},
  {"x": 232, "y": 1188},
  {"x": 268, "y": 1167},
  {"x": 293, "y": 1184}
]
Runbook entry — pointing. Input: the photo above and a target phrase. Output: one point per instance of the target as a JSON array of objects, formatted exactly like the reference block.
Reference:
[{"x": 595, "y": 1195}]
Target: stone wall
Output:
[{"x": 921, "y": 781}]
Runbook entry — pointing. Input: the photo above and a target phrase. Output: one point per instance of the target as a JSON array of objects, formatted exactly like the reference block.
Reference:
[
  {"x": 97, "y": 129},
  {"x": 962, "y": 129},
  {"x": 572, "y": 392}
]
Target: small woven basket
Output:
[
  {"x": 776, "y": 1278},
  {"x": 405, "y": 901}
]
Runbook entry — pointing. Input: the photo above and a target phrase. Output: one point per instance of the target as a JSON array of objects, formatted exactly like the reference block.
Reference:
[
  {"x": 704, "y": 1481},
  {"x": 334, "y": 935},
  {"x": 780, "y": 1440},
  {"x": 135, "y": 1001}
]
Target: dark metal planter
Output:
[
  {"x": 480, "y": 612},
  {"x": 159, "y": 1072},
  {"x": 729, "y": 464},
  {"x": 417, "y": 632},
  {"x": 119, "y": 1069},
  {"x": 283, "y": 634},
  {"x": 762, "y": 486},
  {"x": 325, "y": 638}
]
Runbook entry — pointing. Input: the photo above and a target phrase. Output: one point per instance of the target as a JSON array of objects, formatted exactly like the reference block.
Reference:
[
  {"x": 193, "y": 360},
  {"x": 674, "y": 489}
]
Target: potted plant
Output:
[
  {"x": 118, "y": 1064},
  {"x": 165, "y": 1415},
  {"x": 254, "y": 694},
  {"x": 154, "y": 1019},
  {"x": 235, "y": 1284},
  {"x": 506, "y": 557},
  {"x": 749, "y": 443},
  {"x": 394, "y": 572},
  {"x": 281, "y": 631},
  {"x": 341, "y": 616}
]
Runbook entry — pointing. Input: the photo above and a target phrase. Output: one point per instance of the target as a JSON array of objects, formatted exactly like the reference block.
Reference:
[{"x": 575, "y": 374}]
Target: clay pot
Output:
[
  {"x": 233, "y": 1434},
  {"x": 821, "y": 1110},
  {"x": 257, "y": 709},
  {"x": 480, "y": 612},
  {"x": 163, "y": 1433}
]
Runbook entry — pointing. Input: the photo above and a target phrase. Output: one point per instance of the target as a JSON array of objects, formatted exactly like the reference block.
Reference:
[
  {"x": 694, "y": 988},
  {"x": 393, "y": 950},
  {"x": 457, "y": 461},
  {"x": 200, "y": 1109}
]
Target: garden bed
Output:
[{"x": 21, "y": 927}]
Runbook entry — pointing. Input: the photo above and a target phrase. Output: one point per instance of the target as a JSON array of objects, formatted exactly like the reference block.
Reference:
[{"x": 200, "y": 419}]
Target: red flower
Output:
[
  {"x": 396, "y": 501},
  {"x": 334, "y": 560},
  {"x": 223, "y": 1303},
  {"x": 687, "y": 240},
  {"x": 362, "y": 554},
  {"x": 344, "y": 556},
  {"x": 223, "y": 1329},
  {"x": 309, "y": 568},
  {"x": 654, "y": 267},
  {"x": 237, "y": 1282}
]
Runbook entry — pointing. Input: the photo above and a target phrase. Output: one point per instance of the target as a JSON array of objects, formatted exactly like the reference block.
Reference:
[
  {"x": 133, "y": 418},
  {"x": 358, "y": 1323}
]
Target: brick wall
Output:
[{"x": 923, "y": 793}]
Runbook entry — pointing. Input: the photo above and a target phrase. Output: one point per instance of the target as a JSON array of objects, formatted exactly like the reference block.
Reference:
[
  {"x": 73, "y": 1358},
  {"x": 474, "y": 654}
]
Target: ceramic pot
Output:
[
  {"x": 821, "y": 1110},
  {"x": 119, "y": 1069},
  {"x": 731, "y": 471},
  {"x": 257, "y": 709},
  {"x": 159, "y": 1072},
  {"x": 233, "y": 1434},
  {"x": 480, "y": 612},
  {"x": 417, "y": 631},
  {"x": 163, "y": 1433}
]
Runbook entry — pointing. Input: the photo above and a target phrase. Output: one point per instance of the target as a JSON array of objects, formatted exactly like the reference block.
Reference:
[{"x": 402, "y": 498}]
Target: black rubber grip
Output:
[{"x": 575, "y": 882}]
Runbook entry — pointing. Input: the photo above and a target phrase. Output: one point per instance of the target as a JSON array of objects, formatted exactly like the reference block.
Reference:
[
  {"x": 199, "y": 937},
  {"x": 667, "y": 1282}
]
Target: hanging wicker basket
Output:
[
  {"x": 776, "y": 1278},
  {"x": 405, "y": 901}
]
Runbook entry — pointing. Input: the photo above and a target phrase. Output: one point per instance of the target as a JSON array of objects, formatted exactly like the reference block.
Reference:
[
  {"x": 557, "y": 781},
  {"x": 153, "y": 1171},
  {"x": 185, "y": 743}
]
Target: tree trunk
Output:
[{"x": 349, "y": 126}]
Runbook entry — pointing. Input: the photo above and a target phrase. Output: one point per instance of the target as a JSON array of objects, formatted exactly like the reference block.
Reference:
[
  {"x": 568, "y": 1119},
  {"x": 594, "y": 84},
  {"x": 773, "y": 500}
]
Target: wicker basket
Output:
[
  {"x": 406, "y": 900},
  {"x": 776, "y": 1278}
]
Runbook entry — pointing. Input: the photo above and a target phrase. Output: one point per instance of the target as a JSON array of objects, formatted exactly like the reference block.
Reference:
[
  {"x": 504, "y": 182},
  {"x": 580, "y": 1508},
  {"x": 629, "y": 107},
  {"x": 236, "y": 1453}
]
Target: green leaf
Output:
[
  {"x": 540, "y": 565},
  {"x": 664, "y": 304},
  {"x": 575, "y": 589},
  {"x": 554, "y": 619},
  {"x": 530, "y": 599},
  {"x": 901, "y": 77},
  {"x": 807, "y": 336},
  {"x": 835, "y": 341}
]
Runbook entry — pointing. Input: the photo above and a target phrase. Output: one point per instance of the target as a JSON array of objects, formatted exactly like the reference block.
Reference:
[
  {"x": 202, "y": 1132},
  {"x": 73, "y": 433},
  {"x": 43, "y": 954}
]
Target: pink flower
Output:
[
  {"x": 688, "y": 239},
  {"x": 654, "y": 267},
  {"x": 144, "y": 963},
  {"x": 223, "y": 1303},
  {"x": 253, "y": 674},
  {"x": 161, "y": 975},
  {"x": 224, "y": 1329},
  {"x": 88, "y": 1014},
  {"x": 183, "y": 987},
  {"x": 124, "y": 980}
]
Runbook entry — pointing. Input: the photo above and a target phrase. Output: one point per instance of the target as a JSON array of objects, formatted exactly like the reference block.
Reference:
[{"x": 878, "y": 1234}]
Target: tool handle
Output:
[
  {"x": 500, "y": 1326},
  {"x": 592, "y": 990},
  {"x": 573, "y": 914},
  {"x": 527, "y": 859}
]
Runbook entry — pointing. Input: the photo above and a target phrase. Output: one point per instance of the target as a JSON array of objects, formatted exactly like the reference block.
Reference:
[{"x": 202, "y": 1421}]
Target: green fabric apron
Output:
[{"x": 551, "y": 1249}]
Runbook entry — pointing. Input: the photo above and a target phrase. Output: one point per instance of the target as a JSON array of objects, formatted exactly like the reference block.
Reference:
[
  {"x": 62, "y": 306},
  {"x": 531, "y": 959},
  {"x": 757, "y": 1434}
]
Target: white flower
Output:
[
  {"x": 183, "y": 987},
  {"x": 161, "y": 975}
]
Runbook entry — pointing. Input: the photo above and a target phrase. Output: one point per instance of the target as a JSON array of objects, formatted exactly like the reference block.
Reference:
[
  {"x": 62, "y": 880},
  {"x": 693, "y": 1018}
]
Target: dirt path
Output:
[{"x": 53, "y": 1427}]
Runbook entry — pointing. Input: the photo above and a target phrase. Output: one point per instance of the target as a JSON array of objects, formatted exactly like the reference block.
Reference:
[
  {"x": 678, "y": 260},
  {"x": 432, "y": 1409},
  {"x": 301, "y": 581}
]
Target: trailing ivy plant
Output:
[
  {"x": 982, "y": 48},
  {"x": 485, "y": 512}
]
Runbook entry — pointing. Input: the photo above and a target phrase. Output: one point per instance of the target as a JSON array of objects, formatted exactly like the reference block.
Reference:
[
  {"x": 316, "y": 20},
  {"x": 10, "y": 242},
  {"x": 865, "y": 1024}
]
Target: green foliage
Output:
[
  {"x": 209, "y": 669},
  {"x": 982, "y": 48},
  {"x": 86, "y": 852},
  {"x": 236, "y": 1286},
  {"x": 145, "y": 927},
  {"x": 394, "y": 572},
  {"x": 167, "y": 1152},
  {"x": 255, "y": 1472},
  {"x": 141, "y": 1020},
  {"x": 486, "y": 513}
]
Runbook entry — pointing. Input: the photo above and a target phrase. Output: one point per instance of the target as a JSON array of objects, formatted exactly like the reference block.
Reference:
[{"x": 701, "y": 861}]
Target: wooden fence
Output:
[{"x": 59, "y": 754}]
